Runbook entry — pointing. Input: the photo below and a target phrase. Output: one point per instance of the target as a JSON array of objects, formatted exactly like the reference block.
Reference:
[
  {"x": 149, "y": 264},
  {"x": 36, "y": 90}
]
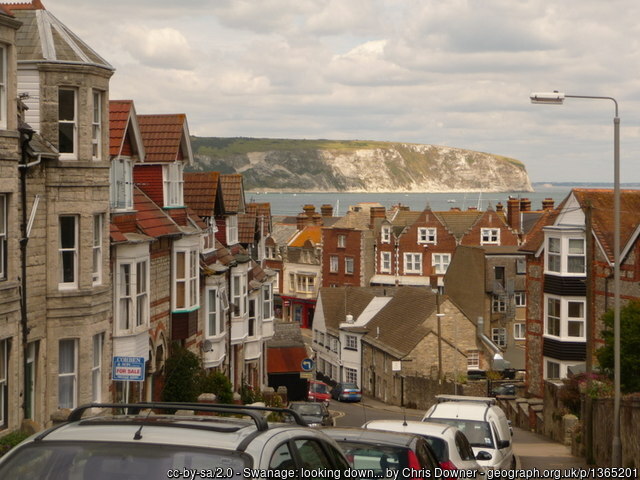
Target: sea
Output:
[{"x": 291, "y": 203}]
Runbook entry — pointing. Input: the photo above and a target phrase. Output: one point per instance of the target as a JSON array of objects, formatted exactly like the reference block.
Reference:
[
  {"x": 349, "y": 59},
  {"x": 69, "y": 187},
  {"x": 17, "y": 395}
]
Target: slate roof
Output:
[
  {"x": 164, "y": 136},
  {"x": 232, "y": 192},
  {"x": 338, "y": 302},
  {"x": 282, "y": 233},
  {"x": 201, "y": 191},
  {"x": 398, "y": 326},
  {"x": 42, "y": 37}
]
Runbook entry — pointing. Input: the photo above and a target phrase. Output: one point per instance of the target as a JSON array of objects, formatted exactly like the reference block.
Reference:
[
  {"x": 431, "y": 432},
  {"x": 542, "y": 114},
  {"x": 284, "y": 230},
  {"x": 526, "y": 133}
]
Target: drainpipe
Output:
[{"x": 26, "y": 134}]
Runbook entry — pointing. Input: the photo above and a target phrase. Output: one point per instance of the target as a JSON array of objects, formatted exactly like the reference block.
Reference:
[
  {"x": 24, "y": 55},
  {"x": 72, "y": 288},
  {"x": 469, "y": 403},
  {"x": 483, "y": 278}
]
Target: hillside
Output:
[{"x": 357, "y": 166}]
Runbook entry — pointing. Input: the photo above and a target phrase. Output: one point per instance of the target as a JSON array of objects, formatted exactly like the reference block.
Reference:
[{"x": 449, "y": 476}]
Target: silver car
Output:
[{"x": 142, "y": 446}]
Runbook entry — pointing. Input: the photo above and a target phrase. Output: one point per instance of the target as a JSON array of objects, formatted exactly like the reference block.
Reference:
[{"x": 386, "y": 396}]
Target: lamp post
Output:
[{"x": 557, "y": 98}]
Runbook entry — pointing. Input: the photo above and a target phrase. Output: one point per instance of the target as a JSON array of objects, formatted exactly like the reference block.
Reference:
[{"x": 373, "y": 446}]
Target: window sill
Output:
[{"x": 186, "y": 310}]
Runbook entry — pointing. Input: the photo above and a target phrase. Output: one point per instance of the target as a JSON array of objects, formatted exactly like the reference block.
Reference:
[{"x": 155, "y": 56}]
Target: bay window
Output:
[
  {"x": 215, "y": 324},
  {"x": 565, "y": 252},
  {"x": 186, "y": 278},
  {"x": 132, "y": 287},
  {"x": 96, "y": 126},
  {"x": 67, "y": 123},
  {"x": 68, "y": 251},
  {"x": 98, "y": 227},
  {"x": 67, "y": 373},
  {"x": 239, "y": 297},
  {"x": 565, "y": 318},
  {"x": 96, "y": 368},
  {"x": 267, "y": 301}
]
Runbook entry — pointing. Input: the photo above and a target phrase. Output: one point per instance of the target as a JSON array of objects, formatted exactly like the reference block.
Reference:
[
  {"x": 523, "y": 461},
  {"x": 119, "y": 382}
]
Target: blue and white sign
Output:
[
  {"x": 307, "y": 365},
  {"x": 128, "y": 369}
]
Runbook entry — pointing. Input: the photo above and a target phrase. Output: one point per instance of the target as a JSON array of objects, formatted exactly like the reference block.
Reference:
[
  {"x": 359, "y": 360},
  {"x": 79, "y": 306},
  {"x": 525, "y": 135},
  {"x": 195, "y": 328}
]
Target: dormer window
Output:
[
  {"x": 232, "y": 229},
  {"x": 385, "y": 234},
  {"x": 173, "y": 185},
  {"x": 121, "y": 185},
  {"x": 67, "y": 123}
]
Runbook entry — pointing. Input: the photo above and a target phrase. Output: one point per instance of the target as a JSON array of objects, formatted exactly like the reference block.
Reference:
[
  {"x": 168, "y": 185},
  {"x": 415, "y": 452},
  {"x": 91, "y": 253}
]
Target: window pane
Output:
[
  {"x": 576, "y": 309},
  {"x": 576, "y": 245},
  {"x": 68, "y": 270},
  {"x": 575, "y": 264},
  {"x": 554, "y": 245},
  {"x": 66, "y": 356},
  {"x": 67, "y": 232},
  {"x": 66, "y": 105},
  {"x": 65, "y": 137},
  {"x": 180, "y": 265},
  {"x": 575, "y": 329}
]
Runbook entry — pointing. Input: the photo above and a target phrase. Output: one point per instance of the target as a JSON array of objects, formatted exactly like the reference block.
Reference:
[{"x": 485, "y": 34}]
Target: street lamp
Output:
[{"x": 557, "y": 98}]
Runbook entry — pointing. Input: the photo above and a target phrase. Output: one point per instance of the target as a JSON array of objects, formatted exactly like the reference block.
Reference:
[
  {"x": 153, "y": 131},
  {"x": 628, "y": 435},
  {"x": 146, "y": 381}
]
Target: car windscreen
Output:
[
  {"x": 477, "y": 432},
  {"x": 379, "y": 458},
  {"x": 319, "y": 388},
  {"x": 308, "y": 408},
  {"x": 108, "y": 460}
]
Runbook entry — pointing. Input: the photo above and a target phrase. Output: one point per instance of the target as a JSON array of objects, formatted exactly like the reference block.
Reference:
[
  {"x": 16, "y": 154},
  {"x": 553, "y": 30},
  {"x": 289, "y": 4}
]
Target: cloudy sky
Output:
[{"x": 444, "y": 72}]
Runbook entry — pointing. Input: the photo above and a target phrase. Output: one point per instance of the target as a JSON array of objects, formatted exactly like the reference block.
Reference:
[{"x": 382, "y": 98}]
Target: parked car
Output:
[
  {"x": 346, "y": 392},
  {"x": 314, "y": 413},
  {"x": 140, "y": 446},
  {"x": 449, "y": 444},
  {"x": 318, "y": 391},
  {"x": 484, "y": 424},
  {"x": 383, "y": 452}
]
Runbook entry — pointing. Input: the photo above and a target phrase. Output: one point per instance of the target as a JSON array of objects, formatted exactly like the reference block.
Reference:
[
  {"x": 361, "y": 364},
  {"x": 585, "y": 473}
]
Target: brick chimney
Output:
[
  {"x": 525, "y": 205},
  {"x": 317, "y": 219},
  {"x": 499, "y": 207},
  {"x": 376, "y": 212},
  {"x": 309, "y": 210},
  {"x": 547, "y": 204},
  {"x": 326, "y": 210},
  {"x": 513, "y": 213},
  {"x": 301, "y": 221}
]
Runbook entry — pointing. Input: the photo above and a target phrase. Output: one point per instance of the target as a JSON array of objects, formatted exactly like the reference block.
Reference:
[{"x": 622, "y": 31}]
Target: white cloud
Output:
[{"x": 456, "y": 72}]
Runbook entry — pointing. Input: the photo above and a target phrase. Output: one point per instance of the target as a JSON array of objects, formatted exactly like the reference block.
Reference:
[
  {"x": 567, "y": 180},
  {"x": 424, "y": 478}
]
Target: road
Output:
[{"x": 532, "y": 451}]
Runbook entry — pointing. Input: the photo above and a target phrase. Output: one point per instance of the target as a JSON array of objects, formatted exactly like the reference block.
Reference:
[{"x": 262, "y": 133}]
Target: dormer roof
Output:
[
  {"x": 44, "y": 38},
  {"x": 123, "y": 121},
  {"x": 201, "y": 192},
  {"x": 232, "y": 193},
  {"x": 166, "y": 138}
]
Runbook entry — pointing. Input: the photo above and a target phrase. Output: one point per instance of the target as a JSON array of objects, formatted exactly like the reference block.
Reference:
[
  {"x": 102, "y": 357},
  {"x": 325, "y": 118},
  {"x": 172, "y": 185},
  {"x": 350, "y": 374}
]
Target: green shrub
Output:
[
  {"x": 218, "y": 384},
  {"x": 11, "y": 440},
  {"x": 182, "y": 375}
]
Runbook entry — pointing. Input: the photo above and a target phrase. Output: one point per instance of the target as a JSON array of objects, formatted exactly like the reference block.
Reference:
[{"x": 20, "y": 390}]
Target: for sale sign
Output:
[{"x": 128, "y": 369}]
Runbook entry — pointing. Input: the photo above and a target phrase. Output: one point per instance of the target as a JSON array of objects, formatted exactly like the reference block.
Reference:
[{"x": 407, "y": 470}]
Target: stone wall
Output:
[
  {"x": 629, "y": 428},
  {"x": 420, "y": 392}
]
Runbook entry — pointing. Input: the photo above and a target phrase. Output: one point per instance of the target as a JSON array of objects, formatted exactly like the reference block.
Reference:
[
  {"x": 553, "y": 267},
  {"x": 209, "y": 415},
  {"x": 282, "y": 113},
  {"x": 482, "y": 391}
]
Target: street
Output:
[{"x": 533, "y": 452}]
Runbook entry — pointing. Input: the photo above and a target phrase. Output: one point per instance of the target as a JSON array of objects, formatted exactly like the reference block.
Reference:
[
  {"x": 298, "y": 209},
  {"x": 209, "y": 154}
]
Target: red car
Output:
[{"x": 318, "y": 391}]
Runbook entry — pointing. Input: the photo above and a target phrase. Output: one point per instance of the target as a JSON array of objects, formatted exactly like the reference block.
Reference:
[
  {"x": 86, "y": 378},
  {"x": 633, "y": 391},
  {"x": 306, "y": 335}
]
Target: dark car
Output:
[
  {"x": 346, "y": 392},
  {"x": 381, "y": 452},
  {"x": 315, "y": 414}
]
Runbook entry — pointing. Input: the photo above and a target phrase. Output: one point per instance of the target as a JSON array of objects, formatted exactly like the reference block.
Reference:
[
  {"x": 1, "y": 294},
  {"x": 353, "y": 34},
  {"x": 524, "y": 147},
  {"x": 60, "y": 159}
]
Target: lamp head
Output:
[{"x": 547, "y": 98}]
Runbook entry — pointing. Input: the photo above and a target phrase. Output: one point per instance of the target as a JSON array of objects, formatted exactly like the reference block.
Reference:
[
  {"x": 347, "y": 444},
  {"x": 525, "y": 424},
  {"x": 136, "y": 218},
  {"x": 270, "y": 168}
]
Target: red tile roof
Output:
[
  {"x": 119, "y": 113},
  {"x": 200, "y": 192},
  {"x": 232, "y": 192},
  {"x": 151, "y": 219},
  {"x": 34, "y": 5},
  {"x": 162, "y": 136},
  {"x": 246, "y": 228},
  {"x": 262, "y": 211},
  {"x": 601, "y": 202},
  {"x": 116, "y": 235},
  {"x": 285, "y": 359}
]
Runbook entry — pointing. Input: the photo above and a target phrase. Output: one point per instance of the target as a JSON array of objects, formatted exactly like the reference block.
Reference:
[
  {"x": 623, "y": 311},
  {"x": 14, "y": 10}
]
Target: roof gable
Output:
[
  {"x": 202, "y": 192},
  {"x": 123, "y": 126},
  {"x": 232, "y": 193}
]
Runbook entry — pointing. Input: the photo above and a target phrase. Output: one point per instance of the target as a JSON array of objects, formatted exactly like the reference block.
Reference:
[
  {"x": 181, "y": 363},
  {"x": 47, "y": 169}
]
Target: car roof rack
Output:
[
  {"x": 255, "y": 412},
  {"x": 461, "y": 398}
]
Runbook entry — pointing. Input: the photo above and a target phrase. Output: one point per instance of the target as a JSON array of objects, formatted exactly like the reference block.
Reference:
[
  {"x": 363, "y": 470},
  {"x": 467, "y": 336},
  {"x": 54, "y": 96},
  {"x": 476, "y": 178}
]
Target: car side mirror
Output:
[
  {"x": 482, "y": 455},
  {"x": 503, "y": 443}
]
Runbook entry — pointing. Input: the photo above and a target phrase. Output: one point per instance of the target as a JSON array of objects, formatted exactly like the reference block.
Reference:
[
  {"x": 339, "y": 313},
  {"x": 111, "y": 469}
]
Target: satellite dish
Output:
[{"x": 207, "y": 346}]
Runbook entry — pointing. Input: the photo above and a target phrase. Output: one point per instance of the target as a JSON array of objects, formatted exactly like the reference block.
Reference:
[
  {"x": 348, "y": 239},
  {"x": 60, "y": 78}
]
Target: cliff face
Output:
[{"x": 362, "y": 167}]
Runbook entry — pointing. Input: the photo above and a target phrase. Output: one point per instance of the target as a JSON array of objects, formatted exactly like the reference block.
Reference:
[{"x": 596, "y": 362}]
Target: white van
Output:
[{"x": 484, "y": 424}]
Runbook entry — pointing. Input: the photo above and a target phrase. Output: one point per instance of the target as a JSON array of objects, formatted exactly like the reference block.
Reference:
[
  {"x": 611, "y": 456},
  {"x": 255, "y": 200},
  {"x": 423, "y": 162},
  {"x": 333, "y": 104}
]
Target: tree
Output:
[
  {"x": 182, "y": 380},
  {"x": 629, "y": 347}
]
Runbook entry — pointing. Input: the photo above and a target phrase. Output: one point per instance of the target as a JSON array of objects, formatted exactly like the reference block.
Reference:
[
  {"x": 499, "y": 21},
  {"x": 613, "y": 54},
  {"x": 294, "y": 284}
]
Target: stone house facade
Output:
[{"x": 64, "y": 86}]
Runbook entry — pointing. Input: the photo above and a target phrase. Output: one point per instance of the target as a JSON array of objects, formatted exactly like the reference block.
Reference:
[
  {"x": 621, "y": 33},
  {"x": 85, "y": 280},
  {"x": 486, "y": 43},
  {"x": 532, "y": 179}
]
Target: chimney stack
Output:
[
  {"x": 547, "y": 204},
  {"x": 376, "y": 213},
  {"x": 309, "y": 210},
  {"x": 513, "y": 213},
  {"x": 301, "y": 221},
  {"x": 525, "y": 205},
  {"x": 499, "y": 207},
  {"x": 326, "y": 210}
]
